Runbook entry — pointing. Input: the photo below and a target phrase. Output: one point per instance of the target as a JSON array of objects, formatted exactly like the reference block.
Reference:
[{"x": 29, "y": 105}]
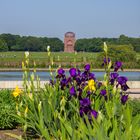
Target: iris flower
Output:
[
  {"x": 103, "y": 92},
  {"x": 94, "y": 113},
  {"x": 16, "y": 92},
  {"x": 72, "y": 72},
  {"x": 61, "y": 71},
  {"x": 91, "y": 85},
  {"x": 87, "y": 67},
  {"x": 124, "y": 98},
  {"x": 72, "y": 91},
  {"x": 118, "y": 65}
]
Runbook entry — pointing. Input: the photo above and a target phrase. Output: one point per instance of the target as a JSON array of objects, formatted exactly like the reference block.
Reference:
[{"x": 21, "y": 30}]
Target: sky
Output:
[{"x": 87, "y": 18}]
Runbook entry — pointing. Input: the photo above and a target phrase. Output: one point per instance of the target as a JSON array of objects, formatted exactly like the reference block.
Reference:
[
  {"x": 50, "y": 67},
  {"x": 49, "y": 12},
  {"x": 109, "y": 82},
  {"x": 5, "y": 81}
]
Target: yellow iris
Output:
[
  {"x": 91, "y": 85},
  {"x": 16, "y": 92}
]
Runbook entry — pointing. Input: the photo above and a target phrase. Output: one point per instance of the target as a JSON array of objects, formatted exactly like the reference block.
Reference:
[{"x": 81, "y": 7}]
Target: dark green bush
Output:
[{"x": 7, "y": 108}]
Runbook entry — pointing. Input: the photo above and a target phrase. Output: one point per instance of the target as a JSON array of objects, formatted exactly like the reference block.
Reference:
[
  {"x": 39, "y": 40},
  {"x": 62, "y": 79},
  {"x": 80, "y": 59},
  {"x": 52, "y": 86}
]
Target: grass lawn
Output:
[
  {"x": 40, "y": 57},
  {"x": 14, "y": 59}
]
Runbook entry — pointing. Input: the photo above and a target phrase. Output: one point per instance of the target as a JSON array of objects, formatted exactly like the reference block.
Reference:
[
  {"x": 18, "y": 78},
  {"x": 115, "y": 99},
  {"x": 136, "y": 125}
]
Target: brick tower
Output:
[{"x": 69, "y": 42}]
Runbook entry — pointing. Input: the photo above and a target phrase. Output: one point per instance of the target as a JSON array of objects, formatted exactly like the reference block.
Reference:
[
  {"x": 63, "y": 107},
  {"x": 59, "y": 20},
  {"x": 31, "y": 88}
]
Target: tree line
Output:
[
  {"x": 10, "y": 42},
  {"x": 95, "y": 44}
]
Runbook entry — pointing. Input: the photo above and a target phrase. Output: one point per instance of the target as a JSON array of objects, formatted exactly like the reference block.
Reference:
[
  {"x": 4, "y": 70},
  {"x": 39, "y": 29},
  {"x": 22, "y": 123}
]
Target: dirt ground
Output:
[{"x": 4, "y": 136}]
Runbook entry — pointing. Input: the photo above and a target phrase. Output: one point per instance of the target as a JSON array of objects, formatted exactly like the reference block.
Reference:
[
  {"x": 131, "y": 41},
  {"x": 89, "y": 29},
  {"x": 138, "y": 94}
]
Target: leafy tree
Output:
[
  {"x": 124, "y": 53},
  {"x": 33, "y": 44},
  {"x": 89, "y": 45},
  {"x": 56, "y": 44},
  {"x": 3, "y": 45},
  {"x": 10, "y": 39}
]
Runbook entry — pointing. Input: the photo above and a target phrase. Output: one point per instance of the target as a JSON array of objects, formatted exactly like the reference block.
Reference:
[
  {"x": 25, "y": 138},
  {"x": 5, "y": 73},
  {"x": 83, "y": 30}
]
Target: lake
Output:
[{"x": 17, "y": 76}]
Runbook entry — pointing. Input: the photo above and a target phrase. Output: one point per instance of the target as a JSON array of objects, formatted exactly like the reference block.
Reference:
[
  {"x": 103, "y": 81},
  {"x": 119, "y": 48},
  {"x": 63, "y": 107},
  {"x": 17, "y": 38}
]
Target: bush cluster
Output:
[{"x": 7, "y": 109}]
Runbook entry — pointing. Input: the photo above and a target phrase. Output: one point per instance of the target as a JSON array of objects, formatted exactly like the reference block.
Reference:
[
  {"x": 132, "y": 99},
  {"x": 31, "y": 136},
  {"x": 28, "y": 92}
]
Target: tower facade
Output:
[{"x": 69, "y": 42}]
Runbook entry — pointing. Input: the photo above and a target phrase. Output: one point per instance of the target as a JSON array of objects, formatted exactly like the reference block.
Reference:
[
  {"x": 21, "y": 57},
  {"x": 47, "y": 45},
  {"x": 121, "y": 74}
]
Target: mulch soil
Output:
[{"x": 4, "y": 136}]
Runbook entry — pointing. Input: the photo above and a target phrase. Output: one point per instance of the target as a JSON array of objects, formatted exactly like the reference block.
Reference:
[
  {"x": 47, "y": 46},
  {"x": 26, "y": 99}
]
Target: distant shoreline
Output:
[{"x": 46, "y": 69}]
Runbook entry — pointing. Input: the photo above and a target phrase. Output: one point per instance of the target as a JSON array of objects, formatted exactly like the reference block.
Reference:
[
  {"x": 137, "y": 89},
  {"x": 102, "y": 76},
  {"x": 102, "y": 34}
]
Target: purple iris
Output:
[
  {"x": 78, "y": 80},
  {"x": 118, "y": 65},
  {"x": 72, "y": 91},
  {"x": 81, "y": 111},
  {"x": 99, "y": 84},
  {"x": 124, "y": 98},
  {"x": 79, "y": 72},
  {"x": 124, "y": 87},
  {"x": 113, "y": 77},
  {"x": 105, "y": 60},
  {"x": 84, "y": 110},
  {"x": 103, "y": 92},
  {"x": 88, "y": 92},
  {"x": 84, "y": 76},
  {"x": 94, "y": 113},
  {"x": 52, "y": 82},
  {"x": 68, "y": 80},
  {"x": 85, "y": 102},
  {"x": 122, "y": 80},
  {"x": 60, "y": 71},
  {"x": 87, "y": 67},
  {"x": 72, "y": 72},
  {"x": 63, "y": 83},
  {"x": 91, "y": 76}
]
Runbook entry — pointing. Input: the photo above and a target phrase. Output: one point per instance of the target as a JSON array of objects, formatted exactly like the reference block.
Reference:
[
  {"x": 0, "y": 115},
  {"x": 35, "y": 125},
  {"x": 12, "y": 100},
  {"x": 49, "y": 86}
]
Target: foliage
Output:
[
  {"x": 7, "y": 108},
  {"x": 89, "y": 45},
  {"x": 123, "y": 53},
  {"x": 95, "y": 44},
  {"x": 30, "y": 43},
  {"x": 3, "y": 46},
  {"x": 78, "y": 106},
  {"x": 135, "y": 104}
]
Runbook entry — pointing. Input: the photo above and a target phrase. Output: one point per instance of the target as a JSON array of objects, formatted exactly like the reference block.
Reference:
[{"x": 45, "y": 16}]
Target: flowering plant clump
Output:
[
  {"x": 79, "y": 106},
  {"x": 87, "y": 89}
]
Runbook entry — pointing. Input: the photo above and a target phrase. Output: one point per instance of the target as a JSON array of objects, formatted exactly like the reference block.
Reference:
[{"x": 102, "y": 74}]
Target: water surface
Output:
[{"x": 17, "y": 76}]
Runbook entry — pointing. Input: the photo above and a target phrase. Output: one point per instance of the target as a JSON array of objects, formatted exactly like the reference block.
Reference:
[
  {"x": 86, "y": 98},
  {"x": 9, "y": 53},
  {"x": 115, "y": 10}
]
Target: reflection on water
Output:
[{"x": 17, "y": 76}]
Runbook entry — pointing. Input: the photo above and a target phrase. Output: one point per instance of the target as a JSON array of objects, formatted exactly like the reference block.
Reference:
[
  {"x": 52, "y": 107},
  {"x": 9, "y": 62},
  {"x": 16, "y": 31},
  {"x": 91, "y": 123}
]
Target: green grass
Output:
[
  {"x": 14, "y": 59},
  {"x": 18, "y": 56}
]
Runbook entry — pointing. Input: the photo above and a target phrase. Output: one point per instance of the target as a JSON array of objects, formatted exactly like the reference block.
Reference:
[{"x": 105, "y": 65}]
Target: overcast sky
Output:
[{"x": 87, "y": 18}]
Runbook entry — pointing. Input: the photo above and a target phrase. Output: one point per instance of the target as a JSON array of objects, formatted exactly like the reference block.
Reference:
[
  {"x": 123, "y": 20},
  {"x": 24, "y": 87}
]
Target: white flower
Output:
[
  {"x": 48, "y": 48},
  {"x": 26, "y": 54}
]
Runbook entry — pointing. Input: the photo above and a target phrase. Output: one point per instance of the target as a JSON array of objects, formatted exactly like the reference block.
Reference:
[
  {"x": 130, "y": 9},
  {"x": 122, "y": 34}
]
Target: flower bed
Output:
[{"x": 78, "y": 106}]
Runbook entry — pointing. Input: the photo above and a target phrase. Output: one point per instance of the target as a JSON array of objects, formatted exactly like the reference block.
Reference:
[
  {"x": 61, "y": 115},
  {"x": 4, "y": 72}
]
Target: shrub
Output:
[
  {"x": 7, "y": 108},
  {"x": 124, "y": 53}
]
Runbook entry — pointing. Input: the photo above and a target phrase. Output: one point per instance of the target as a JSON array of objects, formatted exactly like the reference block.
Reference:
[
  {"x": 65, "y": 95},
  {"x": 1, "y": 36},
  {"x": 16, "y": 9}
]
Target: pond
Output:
[{"x": 17, "y": 76}]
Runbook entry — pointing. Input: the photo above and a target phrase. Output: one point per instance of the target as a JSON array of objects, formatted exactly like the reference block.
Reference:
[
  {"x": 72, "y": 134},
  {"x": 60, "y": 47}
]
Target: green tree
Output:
[
  {"x": 33, "y": 44},
  {"x": 10, "y": 39},
  {"x": 123, "y": 53},
  {"x": 56, "y": 44},
  {"x": 89, "y": 45},
  {"x": 3, "y": 45}
]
